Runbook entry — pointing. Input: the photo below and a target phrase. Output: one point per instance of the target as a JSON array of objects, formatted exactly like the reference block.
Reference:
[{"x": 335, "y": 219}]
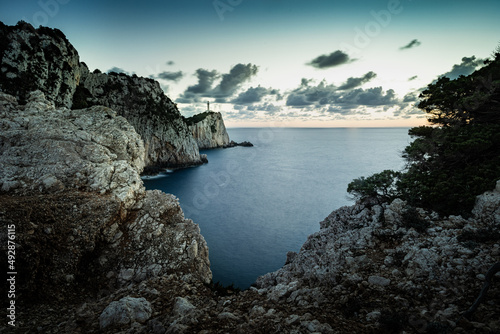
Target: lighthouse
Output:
[{"x": 208, "y": 105}]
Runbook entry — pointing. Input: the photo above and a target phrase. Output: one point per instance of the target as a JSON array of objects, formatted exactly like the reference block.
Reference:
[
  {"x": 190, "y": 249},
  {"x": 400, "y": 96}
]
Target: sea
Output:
[{"x": 255, "y": 204}]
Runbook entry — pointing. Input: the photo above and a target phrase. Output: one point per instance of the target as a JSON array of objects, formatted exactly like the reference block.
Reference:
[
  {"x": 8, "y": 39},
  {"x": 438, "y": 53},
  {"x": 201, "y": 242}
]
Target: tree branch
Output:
[{"x": 493, "y": 270}]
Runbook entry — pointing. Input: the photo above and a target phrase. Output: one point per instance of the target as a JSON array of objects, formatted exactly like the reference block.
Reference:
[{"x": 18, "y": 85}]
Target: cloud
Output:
[
  {"x": 170, "y": 62},
  {"x": 268, "y": 108},
  {"x": 172, "y": 76},
  {"x": 117, "y": 70},
  {"x": 255, "y": 94},
  {"x": 356, "y": 82},
  {"x": 413, "y": 78},
  {"x": 193, "y": 93},
  {"x": 242, "y": 113},
  {"x": 228, "y": 85},
  {"x": 308, "y": 95},
  {"x": 369, "y": 97},
  {"x": 466, "y": 67},
  {"x": 333, "y": 59},
  {"x": 411, "y": 97},
  {"x": 414, "y": 43},
  {"x": 232, "y": 81}
]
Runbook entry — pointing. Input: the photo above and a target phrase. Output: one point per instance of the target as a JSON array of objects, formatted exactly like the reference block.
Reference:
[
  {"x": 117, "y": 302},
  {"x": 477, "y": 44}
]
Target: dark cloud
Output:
[
  {"x": 117, "y": 70},
  {"x": 172, "y": 76},
  {"x": 323, "y": 95},
  {"x": 411, "y": 97},
  {"x": 413, "y": 78},
  {"x": 228, "y": 85},
  {"x": 466, "y": 67},
  {"x": 268, "y": 108},
  {"x": 367, "y": 97},
  {"x": 193, "y": 93},
  {"x": 206, "y": 79},
  {"x": 253, "y": 95},
  {"x": 410, "y": 45},
  {"x": 297, "y": 100},
  {"x": 170, "y": 62},
  {"x": 333, "y": 59},
  {"x": 307, "y": 95},
  {"x": 356, "y": 82},
  {"x": 232, "y": 81}
]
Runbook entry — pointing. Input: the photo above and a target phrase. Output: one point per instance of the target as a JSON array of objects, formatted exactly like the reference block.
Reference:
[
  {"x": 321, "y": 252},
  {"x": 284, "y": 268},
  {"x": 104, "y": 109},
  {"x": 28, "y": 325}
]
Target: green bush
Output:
[
  {"x": 457, "y": 159},
  {"x": 380, "y": 187}
]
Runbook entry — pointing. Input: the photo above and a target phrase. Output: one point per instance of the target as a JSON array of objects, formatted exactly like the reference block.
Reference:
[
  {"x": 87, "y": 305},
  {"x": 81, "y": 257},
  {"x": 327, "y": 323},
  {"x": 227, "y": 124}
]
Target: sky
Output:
[{"x": 297, "y": 63}]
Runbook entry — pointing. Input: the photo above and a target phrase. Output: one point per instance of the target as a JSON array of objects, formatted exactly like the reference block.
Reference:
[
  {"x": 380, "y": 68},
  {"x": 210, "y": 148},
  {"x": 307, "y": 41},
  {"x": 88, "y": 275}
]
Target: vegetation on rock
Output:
[
  {"x": 456, "y": 159},
  {"x": 198, "y": 117}
]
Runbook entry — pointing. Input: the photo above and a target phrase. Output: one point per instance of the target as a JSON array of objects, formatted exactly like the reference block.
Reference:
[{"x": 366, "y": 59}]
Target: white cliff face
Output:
[
  {"x": 167, "y": 139},
  {"x": 70, "y": 183},
  {"x": 210, "y": 132},
  {"x": 39, "y": 152},
  {"x": 43, "y": 59}
]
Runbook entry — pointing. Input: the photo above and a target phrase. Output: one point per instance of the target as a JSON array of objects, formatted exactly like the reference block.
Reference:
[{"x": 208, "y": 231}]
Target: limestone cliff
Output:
[
  {"x": 167, "y": 139},
  {"x": 208, "y": 130},
  {"x": 70, "y": 185},
  {"x": 43, "y": 59}
]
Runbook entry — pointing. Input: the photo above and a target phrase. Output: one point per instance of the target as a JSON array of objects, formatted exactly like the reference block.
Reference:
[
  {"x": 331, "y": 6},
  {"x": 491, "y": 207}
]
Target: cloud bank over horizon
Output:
[{"x": 310, "y": 98}]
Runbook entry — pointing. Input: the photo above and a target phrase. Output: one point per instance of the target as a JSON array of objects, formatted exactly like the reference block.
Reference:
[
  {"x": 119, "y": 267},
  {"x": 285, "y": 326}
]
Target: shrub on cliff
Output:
[
  {"x": 458, "y": 158},
  {"x": 380, "y": 187},
  {"x": 449, "y": 165}
]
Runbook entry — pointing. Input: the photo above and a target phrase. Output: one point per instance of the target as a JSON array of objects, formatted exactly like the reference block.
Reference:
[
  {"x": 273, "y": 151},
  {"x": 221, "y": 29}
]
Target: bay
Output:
[{"x": 254, "y": 204}]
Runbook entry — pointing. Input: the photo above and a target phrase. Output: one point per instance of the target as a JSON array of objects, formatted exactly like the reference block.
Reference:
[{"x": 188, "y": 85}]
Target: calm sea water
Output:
[{"x": 255, "y": 204}]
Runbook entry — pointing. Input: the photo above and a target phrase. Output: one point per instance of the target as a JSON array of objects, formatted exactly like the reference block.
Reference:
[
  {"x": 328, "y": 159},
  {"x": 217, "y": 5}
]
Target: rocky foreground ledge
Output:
[{"x": 96, "y": 253}]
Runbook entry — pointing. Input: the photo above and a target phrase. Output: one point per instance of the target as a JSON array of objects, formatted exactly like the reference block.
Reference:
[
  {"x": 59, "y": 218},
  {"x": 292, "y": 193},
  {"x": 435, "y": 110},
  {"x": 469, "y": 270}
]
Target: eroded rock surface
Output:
[
  {"x": 43, "y": 59},
  {"x": 70, "y": 185},
  {"x": 209, "y": 130}
]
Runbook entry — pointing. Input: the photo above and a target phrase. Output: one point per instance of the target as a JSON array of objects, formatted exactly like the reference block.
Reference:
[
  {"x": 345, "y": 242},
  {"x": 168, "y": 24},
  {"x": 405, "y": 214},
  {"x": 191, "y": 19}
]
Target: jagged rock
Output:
[
  {"x": 125, "y": 311},
  {"x": 43, "y": 59},
  {"x": 398, "y": 265},
  {"x": 47, "y": 150},
  {"x": 234, "y": 144},
  {"x": 70, "y": 182},
  {"x": 208, "y": 130},
  {"x": 487, "y": 206},
  {"x": 38, "y": 59},
  {"x": 167, "y": 139}
]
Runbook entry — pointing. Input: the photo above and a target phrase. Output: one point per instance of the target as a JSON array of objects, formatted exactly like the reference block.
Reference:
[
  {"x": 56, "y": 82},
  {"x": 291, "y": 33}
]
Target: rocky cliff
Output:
[
  {"x": 43, "y": 59},
  {"x": 167, "y": 139},
  {"x": 70, "y": 187},
  {"x": 208, "y": 130},
  {"x": 96, "y": 253}
]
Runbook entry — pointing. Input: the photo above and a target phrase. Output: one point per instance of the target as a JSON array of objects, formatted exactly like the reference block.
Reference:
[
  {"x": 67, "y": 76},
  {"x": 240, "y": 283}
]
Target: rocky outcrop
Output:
[
  {"x": 209, "y": 130},
  {"x": 390, "y": 265},
  {"x": 234, "y": 144},
  {"x": 43, "y": 59},
  {"x": 119, "y": 259},
  {"x": 70, "y": 185},
  {"x": 167, "y": 139},
  {"x": 96, "y": 253}
]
